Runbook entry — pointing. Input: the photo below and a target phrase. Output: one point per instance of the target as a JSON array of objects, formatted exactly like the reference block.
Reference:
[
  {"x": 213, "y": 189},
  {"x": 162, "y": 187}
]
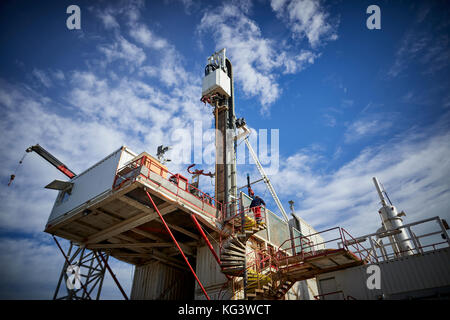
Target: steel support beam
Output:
[
  {"x": 131, "y": 223},
  {"x": 87, "y": 270},
  {"x": 111, "y": 273}
]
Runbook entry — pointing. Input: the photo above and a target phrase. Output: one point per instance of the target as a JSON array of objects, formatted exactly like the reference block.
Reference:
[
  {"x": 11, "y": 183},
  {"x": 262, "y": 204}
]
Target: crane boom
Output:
[
  {"x": 50, "y": 158},
  {"x": 266, "y": 179}
]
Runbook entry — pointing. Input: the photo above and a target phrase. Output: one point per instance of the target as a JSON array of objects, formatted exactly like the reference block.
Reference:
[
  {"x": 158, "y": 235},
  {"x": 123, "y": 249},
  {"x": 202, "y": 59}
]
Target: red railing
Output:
[
  {"x": 262, "y": 261},
  {"x": 131, "y": 171},
  {"x": 239, "y": 220},
  {"x": 359, "y": 248},
  {"x": 348, "y": 297}
]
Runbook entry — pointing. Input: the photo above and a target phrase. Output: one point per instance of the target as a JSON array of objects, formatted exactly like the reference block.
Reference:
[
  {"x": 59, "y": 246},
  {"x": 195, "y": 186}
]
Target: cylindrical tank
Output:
[{"x": 392, "y": 221}]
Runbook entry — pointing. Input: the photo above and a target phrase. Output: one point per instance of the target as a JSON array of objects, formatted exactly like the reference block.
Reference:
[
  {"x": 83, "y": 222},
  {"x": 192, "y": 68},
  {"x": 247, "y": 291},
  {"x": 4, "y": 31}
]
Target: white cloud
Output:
[
  {"x": 59, "y": 75},
  {"x": 306, "y": 18},
  {"x": 330, "y": 121},
  {"x": 109, "y": 21},
  {"x": 411, "y": 46},
  {"x": 30, "y": 269},
  {"x": 413, "y": 167},
  {"x": 96, "y": 113},
  {"x": 165, "y": 64},
  {"x": 42, "y": 77},
  {"x": 368, "y": 126},
  {"x": 255, "y": 58},
  {"x": 423, "y": 46},
  {"x": 124, "y": 50},
  {"x": 143, "y": 35}
]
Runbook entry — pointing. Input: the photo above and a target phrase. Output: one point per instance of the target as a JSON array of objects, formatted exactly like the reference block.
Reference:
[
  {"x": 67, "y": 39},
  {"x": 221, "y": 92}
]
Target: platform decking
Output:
[{"x": 124, "y": 222}]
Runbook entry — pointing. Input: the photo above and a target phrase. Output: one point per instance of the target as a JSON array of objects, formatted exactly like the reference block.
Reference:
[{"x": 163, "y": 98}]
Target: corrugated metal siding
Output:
[
  {"x": 212, "y": 278},
  {"x": 400, "y": 277},
  {"x": 412, "y": 273},
  {"x": 209, "y": 272},
  {"x": 160, "y": 281}
]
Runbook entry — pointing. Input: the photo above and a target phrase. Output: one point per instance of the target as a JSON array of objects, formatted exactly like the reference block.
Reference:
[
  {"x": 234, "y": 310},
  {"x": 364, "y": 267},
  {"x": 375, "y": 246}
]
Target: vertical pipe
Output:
[
  {"x": 414, "y": 240},
  {"x": 178, "y": 246},
  {"x": 244, "y": 278},
  {"x": 232, "y": 125},
  {"x": 374, "y": 250},
  {"x": 243, "y": 219},
  {"x": 392, "y": 221},
  {"x": 216, "y": 184},
  {"x": 380, "y": 192}
]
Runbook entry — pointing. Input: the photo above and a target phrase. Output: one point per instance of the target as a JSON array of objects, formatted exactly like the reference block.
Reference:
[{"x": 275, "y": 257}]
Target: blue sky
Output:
[{"x": 349, "y": 103}]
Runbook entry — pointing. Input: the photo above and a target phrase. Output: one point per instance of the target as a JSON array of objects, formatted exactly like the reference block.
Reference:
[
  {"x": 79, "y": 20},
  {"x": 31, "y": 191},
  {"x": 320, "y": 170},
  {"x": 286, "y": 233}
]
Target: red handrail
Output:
[
  {"x": 157, "y": 168},
  {"x": 208, "y": 243},
  {"x": 345, "y": 243},
  {"x": 178, "y": 246},
  {"x": 307, "y": 243}
]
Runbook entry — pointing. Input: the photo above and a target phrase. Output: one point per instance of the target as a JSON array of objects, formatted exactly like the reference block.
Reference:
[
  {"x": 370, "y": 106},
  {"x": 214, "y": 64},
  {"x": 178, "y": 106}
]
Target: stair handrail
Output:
[{"x": 345, "y": 243}]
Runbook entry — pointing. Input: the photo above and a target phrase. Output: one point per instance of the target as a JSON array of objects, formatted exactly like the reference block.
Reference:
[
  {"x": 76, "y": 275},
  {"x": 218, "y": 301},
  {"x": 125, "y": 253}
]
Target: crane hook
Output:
[{"x": 12, "y": 177}]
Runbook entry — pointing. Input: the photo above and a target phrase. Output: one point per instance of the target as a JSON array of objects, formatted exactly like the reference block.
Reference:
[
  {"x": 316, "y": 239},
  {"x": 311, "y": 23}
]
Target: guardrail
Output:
[
  {"x": 131, "y": 171},
  {"x": 320, "y": 296},
  {"x": 246, "y": 218},
  {"x": 423, "y": 236},
  {"x": 335, "y": 238}
]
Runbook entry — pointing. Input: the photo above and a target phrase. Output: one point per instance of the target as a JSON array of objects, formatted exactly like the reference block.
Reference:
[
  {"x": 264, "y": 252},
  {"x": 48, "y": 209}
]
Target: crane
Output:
[
  {"x": 240, "y": 124},
  {"x": 50, "y": 158},
  {"x": 266, "y": 179}
]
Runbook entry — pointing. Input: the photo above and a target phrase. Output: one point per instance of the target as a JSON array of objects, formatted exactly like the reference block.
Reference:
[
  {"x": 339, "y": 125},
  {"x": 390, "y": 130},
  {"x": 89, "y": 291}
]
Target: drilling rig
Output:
[{"x": 217, "y": 91}]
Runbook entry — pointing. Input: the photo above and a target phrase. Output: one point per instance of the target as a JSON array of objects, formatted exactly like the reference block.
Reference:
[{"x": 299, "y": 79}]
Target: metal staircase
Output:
[
  {"x": 261, "y": 279},
  {"x": 232, "y": 257},
  {"x": 269, "y": 273},
  {"x": 233, "y": 252}
]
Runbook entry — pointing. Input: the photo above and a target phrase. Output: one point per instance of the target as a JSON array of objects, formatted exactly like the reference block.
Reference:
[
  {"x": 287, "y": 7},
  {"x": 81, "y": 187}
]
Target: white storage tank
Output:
[{"x": 91, "y": 185}]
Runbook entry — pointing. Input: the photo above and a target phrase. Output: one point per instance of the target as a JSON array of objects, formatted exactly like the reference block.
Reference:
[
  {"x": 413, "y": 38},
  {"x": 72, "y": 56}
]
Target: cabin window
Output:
[{"x": 63, "y": 197}]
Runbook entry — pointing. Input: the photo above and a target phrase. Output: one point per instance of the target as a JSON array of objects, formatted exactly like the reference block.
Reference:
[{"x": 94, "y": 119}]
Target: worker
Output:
[{"x": 255, "y": 206}]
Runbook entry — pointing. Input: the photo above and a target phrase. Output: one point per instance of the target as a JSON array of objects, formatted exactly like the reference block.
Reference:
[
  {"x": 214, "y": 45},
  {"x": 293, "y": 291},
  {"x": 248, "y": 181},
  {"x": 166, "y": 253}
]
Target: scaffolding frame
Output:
[{"x": 87, "y": 269}]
